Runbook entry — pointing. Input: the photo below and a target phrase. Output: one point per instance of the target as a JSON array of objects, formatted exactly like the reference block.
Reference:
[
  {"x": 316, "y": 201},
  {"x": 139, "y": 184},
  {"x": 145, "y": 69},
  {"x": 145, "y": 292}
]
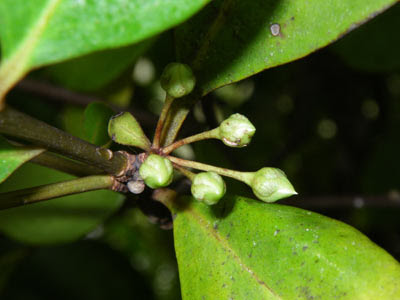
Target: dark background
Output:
[{"x": 330, "y": 121}]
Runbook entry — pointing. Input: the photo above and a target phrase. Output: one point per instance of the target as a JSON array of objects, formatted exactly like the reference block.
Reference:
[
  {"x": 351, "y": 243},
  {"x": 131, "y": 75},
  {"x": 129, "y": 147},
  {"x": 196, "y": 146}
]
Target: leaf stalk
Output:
[{"x": 54, "y": 190}]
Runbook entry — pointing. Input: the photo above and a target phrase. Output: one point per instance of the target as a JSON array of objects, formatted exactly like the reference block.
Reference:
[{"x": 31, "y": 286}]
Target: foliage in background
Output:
[{"x": 319, "y": 113}]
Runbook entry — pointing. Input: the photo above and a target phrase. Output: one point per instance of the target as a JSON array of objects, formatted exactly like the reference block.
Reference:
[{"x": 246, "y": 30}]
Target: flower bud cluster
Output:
[{"x": 156, "y": 171}]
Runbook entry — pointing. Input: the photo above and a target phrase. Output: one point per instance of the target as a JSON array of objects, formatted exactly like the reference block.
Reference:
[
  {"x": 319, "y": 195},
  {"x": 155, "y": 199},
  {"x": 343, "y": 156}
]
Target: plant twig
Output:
[
  {"x": 161, "y": 120},
  {"x": 19, "y": 125},
  {"x": 176, "y": 116},
  {"x": 53, "y": 161},
  {"x": 210, "y": 134},
  {"x": 50, "y": 191},
  {"x": 204, "y": 167}
]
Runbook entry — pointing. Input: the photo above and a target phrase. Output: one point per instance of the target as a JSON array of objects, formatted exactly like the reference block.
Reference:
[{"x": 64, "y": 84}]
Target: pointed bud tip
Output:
[
  {"x": 270, "y": 185},
  {"x": 124, "y": 129}
]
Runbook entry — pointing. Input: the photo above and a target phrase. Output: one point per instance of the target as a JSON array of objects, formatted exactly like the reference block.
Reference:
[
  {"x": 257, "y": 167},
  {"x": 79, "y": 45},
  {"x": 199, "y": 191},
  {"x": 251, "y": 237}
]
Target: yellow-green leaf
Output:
[{"x": 41, "y": 32}]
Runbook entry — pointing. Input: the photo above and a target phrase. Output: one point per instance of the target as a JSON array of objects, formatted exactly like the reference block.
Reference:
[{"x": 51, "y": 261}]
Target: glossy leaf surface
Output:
[
  {"x": 245, "y": 249},
  {"x": 52, "y": 30},
  {"x": 54, "y": 221},
  {"x": 41, "y": 32},
  {"x": 231, "y": 40},
  {"x": 12, "y": 157},
  {"x": 92, "y": 71}
]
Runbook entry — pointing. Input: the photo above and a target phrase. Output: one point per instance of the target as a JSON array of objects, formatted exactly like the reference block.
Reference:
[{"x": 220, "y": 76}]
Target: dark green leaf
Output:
[
  {"x": 55, "y": 221},
  {"x": 93, "y": 71},
  {"x": 245, "y": 249},
  {"x": 12, "y": 157},
  {"x": 41, "y": 32},
  {"x": 231, "y": 40},
  {"x": 95, "y": 123}
]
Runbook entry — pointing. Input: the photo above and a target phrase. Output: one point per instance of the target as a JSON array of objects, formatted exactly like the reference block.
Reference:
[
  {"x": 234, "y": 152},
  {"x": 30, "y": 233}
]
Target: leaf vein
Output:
[{"x": 225, "y": 244}]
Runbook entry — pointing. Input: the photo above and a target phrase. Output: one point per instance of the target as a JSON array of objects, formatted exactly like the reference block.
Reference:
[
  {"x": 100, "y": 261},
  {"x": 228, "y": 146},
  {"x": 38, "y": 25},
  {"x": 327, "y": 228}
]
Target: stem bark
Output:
[
  {"x": 241, "y": 176},
  {"x": 50, "y": 191},
  {"x": 17, "y": 124},
  {"x": 210, "y": 134}
]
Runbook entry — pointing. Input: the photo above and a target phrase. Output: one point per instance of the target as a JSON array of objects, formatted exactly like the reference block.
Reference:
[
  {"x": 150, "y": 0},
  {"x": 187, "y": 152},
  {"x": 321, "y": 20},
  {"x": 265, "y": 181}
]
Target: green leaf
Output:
[
  {"x": 381, "y": 55},
  {"x": 60, "y": 220},
  {"x": 245, "y": 249},
  {"x": 41, "y": 32},
  {"x": 125, "y": 130},
  {"x": 12, "y": 157},
  {"x": 231, "y": 40},
  {"x": 95, "y": 123},
  {"x": 93, "y": 71}
]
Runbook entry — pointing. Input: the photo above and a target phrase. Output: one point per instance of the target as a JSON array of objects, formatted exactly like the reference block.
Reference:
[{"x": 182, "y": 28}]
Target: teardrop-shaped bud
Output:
[
  {"x": 125, "y": 130},
  {"x": 156, "y": 171},
  {"x": 177, "y": 80},
  {"x": 271, "y": 184},
  {"x": 208, "y": 187},
  {"x": 236, "y": 131}
]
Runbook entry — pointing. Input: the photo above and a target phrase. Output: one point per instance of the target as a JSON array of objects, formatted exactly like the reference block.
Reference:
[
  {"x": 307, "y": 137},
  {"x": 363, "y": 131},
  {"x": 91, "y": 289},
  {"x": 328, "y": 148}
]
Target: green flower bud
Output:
[
  {"x": 208, "y": 187},
  {"x": 236, "y": 131},
  {"x": 270, "y": 185},
  {"x": 125, "y": 130},
  {"x": 156, "y": 171},
  {"x": 177, "y": 80}
]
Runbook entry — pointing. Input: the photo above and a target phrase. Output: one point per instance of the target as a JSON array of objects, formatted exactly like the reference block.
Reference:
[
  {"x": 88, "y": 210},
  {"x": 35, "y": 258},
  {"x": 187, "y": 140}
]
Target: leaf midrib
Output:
[
  {"x": 16, "y": 66},
  {"x": 225, "y": 244}
]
